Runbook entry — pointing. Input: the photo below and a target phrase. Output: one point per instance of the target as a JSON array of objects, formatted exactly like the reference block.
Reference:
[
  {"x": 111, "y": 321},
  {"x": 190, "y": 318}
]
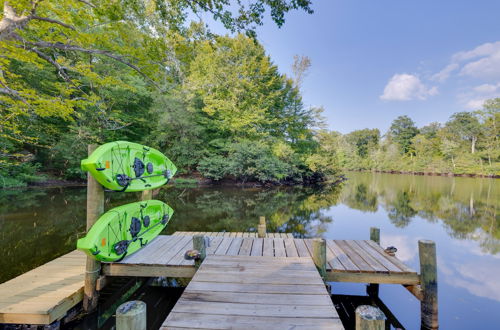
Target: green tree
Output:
[
  {"x": 490, "y": 118},
  {"x": 364, "y": 140},
  {"x": 402, "y": 131},
  {"x": 70, "y": 63},
  {"x": 465, "y": 126}
]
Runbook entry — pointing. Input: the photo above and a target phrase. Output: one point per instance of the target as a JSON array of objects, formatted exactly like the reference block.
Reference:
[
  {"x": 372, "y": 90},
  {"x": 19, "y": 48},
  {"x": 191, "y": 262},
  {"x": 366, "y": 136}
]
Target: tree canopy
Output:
[{"x": 83, "y": 71}]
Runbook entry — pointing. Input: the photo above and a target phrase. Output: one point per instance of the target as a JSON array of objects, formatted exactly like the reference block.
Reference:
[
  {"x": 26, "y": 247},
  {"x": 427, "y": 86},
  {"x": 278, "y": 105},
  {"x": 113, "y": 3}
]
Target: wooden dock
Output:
[
  {"x": 46, "y": 293},
  {"x": 250, "y": 292},
  {"x": 361, "y": 261}
]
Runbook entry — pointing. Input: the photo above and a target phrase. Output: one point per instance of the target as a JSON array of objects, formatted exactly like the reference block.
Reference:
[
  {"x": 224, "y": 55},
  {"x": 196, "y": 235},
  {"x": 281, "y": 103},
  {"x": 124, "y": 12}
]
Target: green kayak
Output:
[
  {"x": 127, "y": 166},
  {"x": 125, "y": 229}
]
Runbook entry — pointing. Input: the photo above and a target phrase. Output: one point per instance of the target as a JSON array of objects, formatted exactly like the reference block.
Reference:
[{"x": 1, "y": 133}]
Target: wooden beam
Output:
[
  {"x": 382, "y": 278},
  {"x": 141, "y": 270},
  {"x": 101, "y": 283},
  {"x": 415, "y": 290},
  {"x": 95, "y": 207}
]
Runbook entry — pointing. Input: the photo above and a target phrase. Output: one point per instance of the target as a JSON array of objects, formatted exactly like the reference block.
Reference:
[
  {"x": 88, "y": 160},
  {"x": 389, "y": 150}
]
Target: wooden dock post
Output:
[
  {"x": 369, "y": 318},
  {"x": 428, "y": 279},
  {"x": 319, "y": 255},
  {"x": 147, "y": 195},
  {"x": 375, "y": 234},
  {"x": 261, "y": 229},
  {"x": 95, "y": 207},
  {"x": 131, "y": 316},
  {"x": 372, "y": 289},
  {"x": 199, "y": 244}
]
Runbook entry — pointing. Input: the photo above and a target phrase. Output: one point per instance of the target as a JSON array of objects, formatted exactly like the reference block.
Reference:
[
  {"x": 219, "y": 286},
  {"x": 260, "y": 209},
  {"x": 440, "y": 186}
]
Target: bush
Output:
[
  {"x": 246, "y": 161},
  {"x": 19, "y": 174}
]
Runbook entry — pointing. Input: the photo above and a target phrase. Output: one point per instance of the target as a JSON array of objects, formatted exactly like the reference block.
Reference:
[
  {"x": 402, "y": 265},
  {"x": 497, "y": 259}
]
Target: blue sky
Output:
[{"x": 375, "y": 60}]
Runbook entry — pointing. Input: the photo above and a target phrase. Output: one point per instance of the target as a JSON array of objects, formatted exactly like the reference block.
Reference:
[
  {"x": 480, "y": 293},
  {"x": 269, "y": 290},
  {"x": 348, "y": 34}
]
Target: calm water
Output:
[{"x": 462, "y": 215}]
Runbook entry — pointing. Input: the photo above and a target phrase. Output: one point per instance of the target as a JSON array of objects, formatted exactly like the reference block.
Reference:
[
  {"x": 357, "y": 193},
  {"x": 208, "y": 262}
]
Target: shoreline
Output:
[
  {"x": 199, "y": 181},
  {"x": 420, "y": 173}
]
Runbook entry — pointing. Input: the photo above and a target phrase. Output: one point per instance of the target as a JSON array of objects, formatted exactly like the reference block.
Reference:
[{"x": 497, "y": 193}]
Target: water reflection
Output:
[
  {"x": 287, "y": 209},
  {"x": 460, "y": 214},
  {"x": 468, "y": 208}
]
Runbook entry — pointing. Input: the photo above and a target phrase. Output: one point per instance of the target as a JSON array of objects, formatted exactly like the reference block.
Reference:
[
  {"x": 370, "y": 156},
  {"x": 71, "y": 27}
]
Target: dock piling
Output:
[
  {"x": 95, "y": 207},
  {"x": 375, "y": 234},
  {"x": 372, "y": 289},
  {"x": 199, "y": 244},
  {"x": 428, "y": 279},
  {"x": 147, "y": 195},
  {"x": 131, "y": 316},
  {"x": 319, "y": 255},
  {"x": 369, "y": 318},
  {"x": 261, "y": 229}
]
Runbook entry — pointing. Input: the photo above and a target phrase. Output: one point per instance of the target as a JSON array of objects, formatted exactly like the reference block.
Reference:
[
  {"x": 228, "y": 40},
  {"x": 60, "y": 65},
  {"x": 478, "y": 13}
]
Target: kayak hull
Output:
[
  {"x": 125, "y": 229},
  {"x": 128, "y": 166}
]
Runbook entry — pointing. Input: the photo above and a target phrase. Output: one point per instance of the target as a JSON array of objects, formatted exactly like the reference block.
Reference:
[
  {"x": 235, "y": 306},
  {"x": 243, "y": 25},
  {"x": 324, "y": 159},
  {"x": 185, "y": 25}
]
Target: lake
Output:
[{"x": 462, "y": 215}]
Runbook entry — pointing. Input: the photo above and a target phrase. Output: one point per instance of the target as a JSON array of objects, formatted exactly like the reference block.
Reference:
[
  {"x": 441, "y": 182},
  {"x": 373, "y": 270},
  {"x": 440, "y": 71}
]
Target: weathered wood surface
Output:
[
  {"x": 48, "y": 292},
  {"x": 428, "y": 274},
  {"x": 247, "y": 292},
  {"x": 370, "y": 318},
  {"x": 44, "y": 294},
  {"x": 360, "y": 261},
  {"x": 95, "y": 208},
  {"x": 232, "y": 234},
  {"x": 131, "y": 315}
]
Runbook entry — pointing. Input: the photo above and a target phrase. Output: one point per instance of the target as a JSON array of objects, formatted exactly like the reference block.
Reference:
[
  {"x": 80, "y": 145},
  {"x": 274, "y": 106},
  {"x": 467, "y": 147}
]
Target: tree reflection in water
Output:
[{"x": 37, "y": 225}]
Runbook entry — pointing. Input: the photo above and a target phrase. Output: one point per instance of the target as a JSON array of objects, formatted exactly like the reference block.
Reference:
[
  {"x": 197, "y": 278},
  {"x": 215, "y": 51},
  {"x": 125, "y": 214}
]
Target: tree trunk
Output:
[{"x": 473, "y": 145}]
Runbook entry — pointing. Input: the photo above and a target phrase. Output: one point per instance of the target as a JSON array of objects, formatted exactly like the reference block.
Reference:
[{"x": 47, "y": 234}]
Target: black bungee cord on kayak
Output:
[
  {"x": 139, "y": 168},
  {"x": 121, "y": 247}
]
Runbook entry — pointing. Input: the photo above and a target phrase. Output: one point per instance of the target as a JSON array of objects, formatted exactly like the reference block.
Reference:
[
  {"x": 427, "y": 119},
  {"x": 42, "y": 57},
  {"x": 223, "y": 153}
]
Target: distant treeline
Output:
[{"x": 468, "y": 143}]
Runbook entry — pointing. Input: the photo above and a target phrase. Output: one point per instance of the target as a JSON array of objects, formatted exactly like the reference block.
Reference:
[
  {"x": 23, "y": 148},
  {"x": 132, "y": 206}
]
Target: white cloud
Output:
[
  {"x": 474, "y": 99},
  {"x": 485, "y": 49},
  {"x": 487, "y": 88},
  {"x": 406, "y": 87},
  {"x": 480, "y": 62},
  {"x": 486, "y": 67},
  {"x": 444, "y": 74},
  {"x": 474, "y": 104},
  {"x": 479, "y": 277}
]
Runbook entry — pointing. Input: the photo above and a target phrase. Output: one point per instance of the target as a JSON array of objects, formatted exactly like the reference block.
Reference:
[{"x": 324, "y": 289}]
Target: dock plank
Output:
[
  {"x": 268, "y": 248},
  {"x": 291, "y": 250},
  {"x": 360, "y": 263},
  {"x": 261, "y": 296},
  {"x": 224, "y": 246},
  {"x": 234, "y": 248},
  {"x": 342, "y": 257},
  {"x": 279, "y": 247},
  {"x": 246, "y": 246},
  {"x": 367, "y": 257},
  {"x": 49, "y": 291},
  {"x": 44, "y": 294},
  {"x": 392, "y": 259},
  {"x": 257, "y": 247}
]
